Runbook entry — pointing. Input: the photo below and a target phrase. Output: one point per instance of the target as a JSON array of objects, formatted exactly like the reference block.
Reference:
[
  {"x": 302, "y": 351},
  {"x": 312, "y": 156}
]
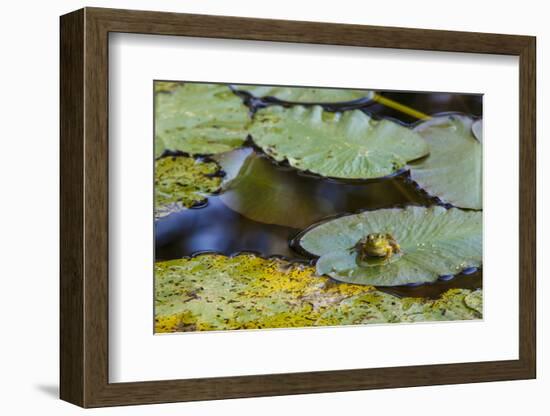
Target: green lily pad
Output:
[
  {"x": 199, "y": 119},
  {"x": 432, "y": 241},
  {"x": 453, "y": 170},
  {"x": 348, "y": 145},
  {"x": 214, "y": 292},
  {"x": 181, "y": 182},
  {"x": 306, "y": 95}
]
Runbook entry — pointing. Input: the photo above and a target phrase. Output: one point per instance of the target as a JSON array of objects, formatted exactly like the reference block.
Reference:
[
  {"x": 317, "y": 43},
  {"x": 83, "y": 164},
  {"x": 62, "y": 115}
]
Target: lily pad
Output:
[
  {"x": 432, "y": 242},
  {"x": 450, "y": 307},
  {"x": 348, "y": 145},
  {"x": 474, "y": 300},
  {"x": 477, "y": 130},
  {"x": 166, "y": 86},
  {"x": 306, "y": 95},
  {"x": 453, "y": 170},
  {"x": 214, "y": 292},
  {"x": 182, "y": 182},
  {"x": 199, "y": 119}
]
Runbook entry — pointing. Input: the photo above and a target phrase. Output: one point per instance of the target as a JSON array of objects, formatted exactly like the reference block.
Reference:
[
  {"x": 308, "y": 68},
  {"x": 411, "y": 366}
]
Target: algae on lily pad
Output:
[
  {"x": 214, "y": 292},
  {"x": 166, "y": 86},
  {"x": 307, "y": 95},
  {"x": 453, "y": 170},
  {"x": 199, "y": 118},
  {"x": 426, "y": 243},
  {"x": 347, "y": 145},
  {"x": 182, "y": 182},
  {"x": 474, "y": 300}
]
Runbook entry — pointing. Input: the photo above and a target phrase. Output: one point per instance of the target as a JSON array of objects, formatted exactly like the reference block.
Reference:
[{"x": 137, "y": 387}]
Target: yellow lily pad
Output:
[
  {"x": 182, "y": 182},
  {"x": 166, "y": 86},
  {"x": 215, "y": 292}
]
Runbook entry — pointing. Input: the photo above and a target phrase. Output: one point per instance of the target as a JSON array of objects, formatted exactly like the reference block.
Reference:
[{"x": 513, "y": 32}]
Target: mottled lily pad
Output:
[
  {"x": 182, "y": 182},
  {"x": 453, "y": 170},
  {"x": 474, "y": 300},
  {"x": 348, "y": 145},
  {"x": 214, "y": 292},
  {"x": 199, "y": 119},
  {"x": 306, "y": 95},
  {"x": 166, "y": 86},
  {"x": 432, "y": 242}
]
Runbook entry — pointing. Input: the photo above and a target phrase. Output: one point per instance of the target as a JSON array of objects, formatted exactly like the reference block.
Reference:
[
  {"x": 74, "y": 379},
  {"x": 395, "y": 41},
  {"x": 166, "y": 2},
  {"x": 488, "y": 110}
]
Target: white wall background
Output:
[{"x": 29, "y": 212}]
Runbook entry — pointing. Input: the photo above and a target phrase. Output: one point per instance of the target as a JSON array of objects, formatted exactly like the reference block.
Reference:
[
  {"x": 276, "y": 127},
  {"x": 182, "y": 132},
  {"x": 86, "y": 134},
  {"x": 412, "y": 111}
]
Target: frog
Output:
[{"x": 377, "y": 246}]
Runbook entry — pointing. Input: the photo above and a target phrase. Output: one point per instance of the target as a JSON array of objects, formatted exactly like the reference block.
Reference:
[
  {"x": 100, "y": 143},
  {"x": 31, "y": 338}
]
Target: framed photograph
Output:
[{"x": 255, "y": 207}]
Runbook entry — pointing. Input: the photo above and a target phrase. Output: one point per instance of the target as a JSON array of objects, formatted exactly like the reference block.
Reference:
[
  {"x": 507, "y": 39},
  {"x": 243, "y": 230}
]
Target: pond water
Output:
[{"x": 266, "y": 206}]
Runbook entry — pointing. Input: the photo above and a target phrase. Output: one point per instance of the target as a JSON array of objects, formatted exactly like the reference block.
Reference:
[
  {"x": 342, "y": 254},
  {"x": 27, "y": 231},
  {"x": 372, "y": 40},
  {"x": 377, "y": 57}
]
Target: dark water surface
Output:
[
  {"x": 266, "y": 206},
  {"x": 428, "y": 103}
]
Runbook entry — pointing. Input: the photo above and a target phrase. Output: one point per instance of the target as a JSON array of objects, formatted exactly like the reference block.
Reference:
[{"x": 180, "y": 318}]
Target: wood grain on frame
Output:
[{"x": 84, "y": 207}]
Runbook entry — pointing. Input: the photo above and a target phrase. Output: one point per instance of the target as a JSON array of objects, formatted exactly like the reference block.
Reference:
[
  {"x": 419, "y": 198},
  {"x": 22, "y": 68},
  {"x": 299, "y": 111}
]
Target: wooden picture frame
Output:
[{"x": 84, "y": 207}]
